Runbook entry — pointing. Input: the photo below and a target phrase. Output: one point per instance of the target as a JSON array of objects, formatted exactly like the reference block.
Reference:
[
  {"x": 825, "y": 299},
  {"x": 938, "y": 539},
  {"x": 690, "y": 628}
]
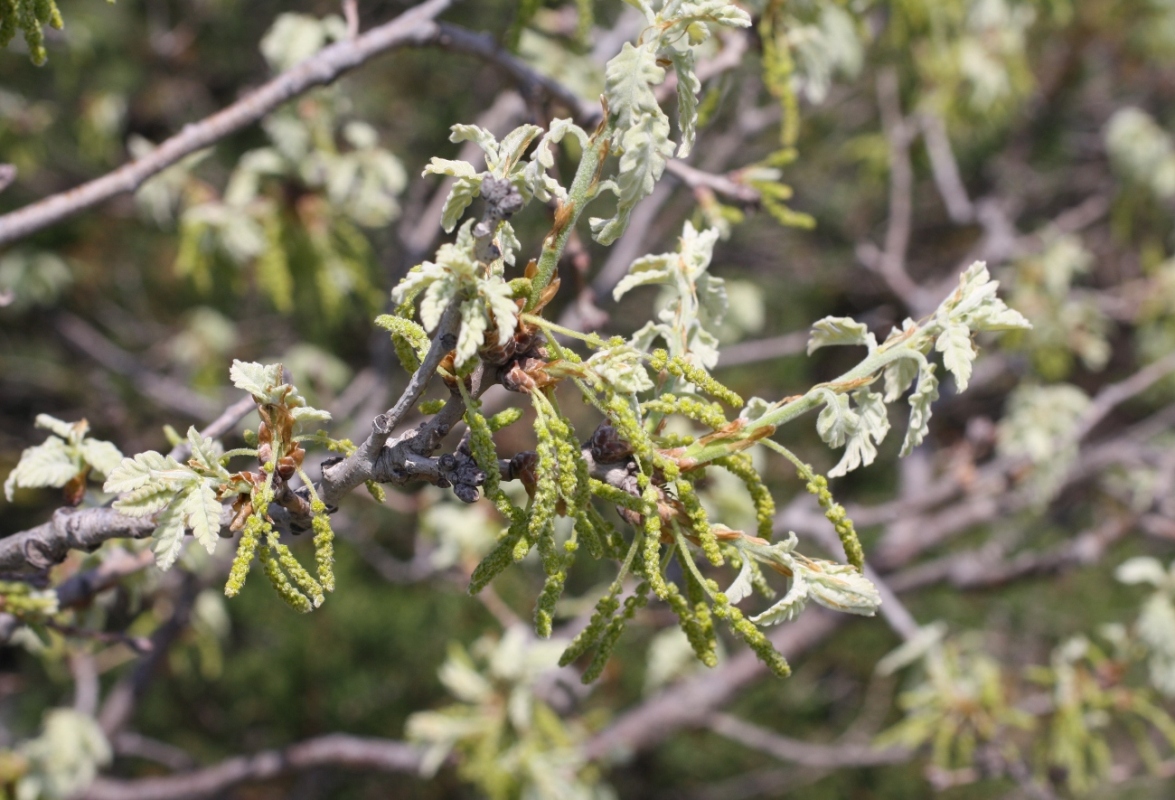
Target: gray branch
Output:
[
  {"x": 413, "y": 27},
  {"x": 333, "y": 750}
]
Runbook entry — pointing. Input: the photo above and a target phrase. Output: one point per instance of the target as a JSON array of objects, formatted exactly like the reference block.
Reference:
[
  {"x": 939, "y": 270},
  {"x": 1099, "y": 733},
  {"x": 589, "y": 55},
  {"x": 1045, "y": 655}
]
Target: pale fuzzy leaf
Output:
[
  {"x": 646, "y": 147},
  {"x": 755, "y": 408},
  {"x": 104, "y": 457},
  {"x": 688, "y": 87},
  {"x": 454, "y": 169},
  {"x": 719, "y": 12},
  {"x": 920, "y": 411},
  {"x": 256, "y": 379},
  {"x": 996, "y": 316},
  {"x": 840, "y": 331},
  {"x": 742, "y": 587},
  {"x": 670, "y": 656},
  {"x": 306, "y": 415},
  {"x": 898, "y": 377},
  {"x": 703, "y": 347},
  {"x": 48, "y": 464},
  {"x": 69, "y": 431},
  {"x": 204, "y": 451},
  {"x": 645, "y": 271},
  {"x": 839, "y": 587},
  {"x": 922, "y": 642},
  {"x": 168, "y": 536},
  {"x": 473, "y": 328},
  {"x": 147, "y": 500},
  {"x": 201, "y": 512},
  {"x": 508, "y": 243},
  {"x": 629, "y": 77},
  {"x": 535, "y": 176},
  {"x": 643, "y": 339},
  {"x": 435, "y": 301},
  {"x": 497, "y": 296},
  {"x": 874, "y": 424},
  {"x": 958, "y": 352},
  {"x": 511, "y": 149},
  {"x": 1141, "y": 569},
  {"x": 712, "y": 298},
  {"x": 837, "y": 422},
  {"x": 483, "y": 138},
  {"x": 790, "y": 606},
  {"x": 644, "y": 7},
  {"x": 622, "y": 368},
  {"x": 137, "y": 471},
  {"x": 460, "y": 196},
  {"x": 415, "y": 281},
  {"x": 696, "y": 249}
]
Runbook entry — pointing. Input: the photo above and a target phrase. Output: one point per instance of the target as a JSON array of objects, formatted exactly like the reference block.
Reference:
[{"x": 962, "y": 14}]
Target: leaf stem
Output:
[{"x": 582, "y": 191}]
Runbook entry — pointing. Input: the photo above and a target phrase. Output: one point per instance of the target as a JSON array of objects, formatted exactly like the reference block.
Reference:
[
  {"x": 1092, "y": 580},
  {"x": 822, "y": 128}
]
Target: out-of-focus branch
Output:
[
  {"x": 136, "y": 745},
  {"x": 415, "y": 26},
  {"x": 945, "y": 169},
  {"x": 890, "y": 262},
  {"x": 789, "y": 344},
  {"x": 333, "y": 750},
  {"x": 529, "y": 81},
  {"x": 823, "y": 756},
  {"x": 692, "y": 702},
  {"x": 166, "y": 392}
]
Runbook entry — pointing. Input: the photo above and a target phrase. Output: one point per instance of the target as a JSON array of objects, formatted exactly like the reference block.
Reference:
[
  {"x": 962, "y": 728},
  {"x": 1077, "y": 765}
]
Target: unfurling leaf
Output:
[{"x": 840, "y": 331}]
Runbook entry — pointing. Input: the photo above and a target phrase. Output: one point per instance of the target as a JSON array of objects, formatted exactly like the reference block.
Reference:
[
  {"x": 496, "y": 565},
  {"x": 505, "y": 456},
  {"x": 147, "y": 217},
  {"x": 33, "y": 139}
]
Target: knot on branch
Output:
[
  {"x": 502, "y": 201},
  {"x": 461, "y": 472}
]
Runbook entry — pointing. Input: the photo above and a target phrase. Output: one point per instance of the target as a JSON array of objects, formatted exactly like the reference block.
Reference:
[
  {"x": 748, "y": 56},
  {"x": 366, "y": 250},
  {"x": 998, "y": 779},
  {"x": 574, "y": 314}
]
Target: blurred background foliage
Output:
[{"x": 283, "y": 241}]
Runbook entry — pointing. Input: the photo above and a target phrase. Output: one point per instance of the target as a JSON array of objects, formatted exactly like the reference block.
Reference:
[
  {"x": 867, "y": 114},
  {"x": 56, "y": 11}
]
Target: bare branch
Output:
[
  {"x": 788, "y": 344},
  {"x": 166, "y": 392},
  {"x": 333, "y": 750},
  {"x": 890, "y": 263},
  {"x": 946, "y": 169},
  {"x": 413, "y": 27},
  {"x": 824, "y": 756}
]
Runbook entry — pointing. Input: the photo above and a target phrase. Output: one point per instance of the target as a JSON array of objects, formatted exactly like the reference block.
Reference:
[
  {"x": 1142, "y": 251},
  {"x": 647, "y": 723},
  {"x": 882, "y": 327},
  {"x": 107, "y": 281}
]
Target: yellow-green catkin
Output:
[
  {"x": 699, "y": 633},
  {"x": 501, "y": 556},
  {"x": 741, "y": 467},
  {"x": 30, "y": 16},
  {"x": 409, "y": 339},
  {"x": 430, "y": 407},
  {"x": 835, "y": 512},
  {"x": 606, "y": 607},
  {"x": 504, "y": 418},
  {"x": 324, "y": 545},
  {"x": 629, "y": 428},
  {"x": 24, "y": 602},
  {"x": 256, "y": 527},
  {"x": 281, "y": 584},
  {"x": 639, "y": 599},
  {"x": 585, "y": 529},
  {"x": 699, "y": 521},
  {"x": 617, "y": 497},
  {"x": 376, "y": 491},
  {"x": 300, "y": 575},
  {"x": 709, "y": 414},
  {"x": 610, "y": 538},
  {"x": 682, "y": 368},
  {"x": 485, "y": 454},
  {"x": 651, "y": 551},
  {"x": 744, "y": 629}
]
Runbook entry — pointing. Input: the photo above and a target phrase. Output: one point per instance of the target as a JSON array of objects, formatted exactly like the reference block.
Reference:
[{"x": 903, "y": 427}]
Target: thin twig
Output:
[
  {"x": 333, "y": 750},
  {"x": 413, "y": 27},
  {"x": 838, "y": 755}
]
